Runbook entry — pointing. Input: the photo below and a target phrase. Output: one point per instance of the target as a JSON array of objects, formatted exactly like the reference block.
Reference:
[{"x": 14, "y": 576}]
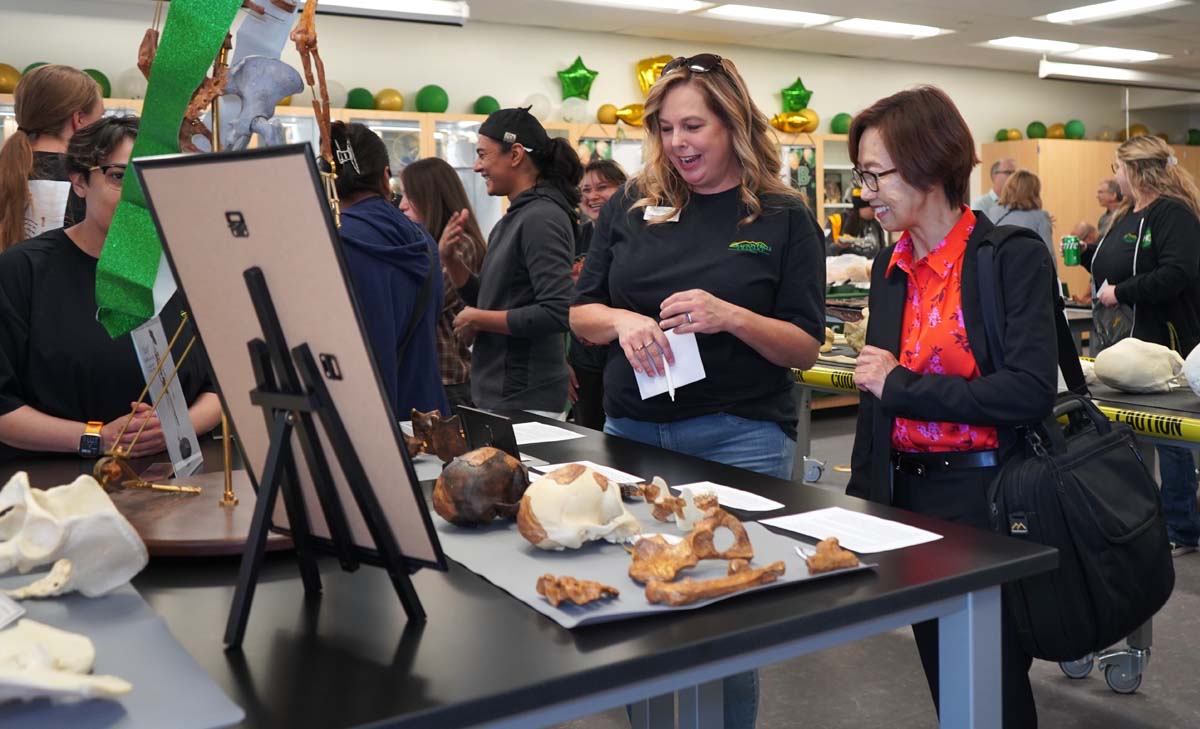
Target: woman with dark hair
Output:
[
  {"x": 397, "y": 278},
  {"x": 434, "y": 196},
  {"x": 61, "y": 375},
  {"x": 585, "y": 362},
  {"x": 517, "y": 306},
  {"x": 936, "y": 417},
  {"x": 51, "y": 103}
]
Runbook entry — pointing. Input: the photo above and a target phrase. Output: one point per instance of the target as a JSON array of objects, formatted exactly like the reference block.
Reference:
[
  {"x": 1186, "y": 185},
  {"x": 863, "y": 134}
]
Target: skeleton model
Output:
[
  {"x": 37, "y": 661},
  {"x": 259, "y": 83},
  {"x": 74, "y": 527}
]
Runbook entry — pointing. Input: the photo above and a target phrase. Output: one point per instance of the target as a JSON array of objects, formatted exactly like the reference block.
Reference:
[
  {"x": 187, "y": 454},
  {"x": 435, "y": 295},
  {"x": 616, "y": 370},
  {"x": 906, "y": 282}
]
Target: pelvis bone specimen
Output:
[
  {"x": 260, "y": 83},
  {"x": 656, "y": 559},
  {"x": 479, "y": 486},
  {"x": 37, "y": 661},
  {"x": 573, "y": 505},
  {"x": 76, "y": 524},
  {"x": 442, "y": 437}
]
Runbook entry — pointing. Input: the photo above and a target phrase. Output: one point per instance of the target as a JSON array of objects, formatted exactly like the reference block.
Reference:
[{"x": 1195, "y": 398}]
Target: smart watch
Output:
[{"x": 91, "y": 445}]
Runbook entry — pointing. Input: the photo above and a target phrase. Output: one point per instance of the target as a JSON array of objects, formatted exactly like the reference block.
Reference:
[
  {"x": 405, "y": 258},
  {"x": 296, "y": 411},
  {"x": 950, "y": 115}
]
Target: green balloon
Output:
[
  {"x": 1002, "y": 135},
  {"x": 32, "y": 66},
  {"x": 484, "y": 105},
  {"x": 1036, "y": 130},
  {"x": 360, "y": 98},
  {"x": 105, "y": 86},
  {"x": 1075, "y": 129},
  {"x": 840, "y": 124},
  {"x": 432, "y": 98},
  {"x": 1193, "y": 137}
]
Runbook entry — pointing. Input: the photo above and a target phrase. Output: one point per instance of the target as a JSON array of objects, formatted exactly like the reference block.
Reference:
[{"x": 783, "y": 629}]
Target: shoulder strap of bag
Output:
[
  {"x": 419, "y": 307},
  {"x": 992, "y": 298}
]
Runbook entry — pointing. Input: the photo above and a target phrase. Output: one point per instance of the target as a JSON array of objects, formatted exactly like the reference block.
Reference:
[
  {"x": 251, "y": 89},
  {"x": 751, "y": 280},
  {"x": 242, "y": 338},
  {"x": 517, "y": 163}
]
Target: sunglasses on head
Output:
[{"x": 701, "y": 63}]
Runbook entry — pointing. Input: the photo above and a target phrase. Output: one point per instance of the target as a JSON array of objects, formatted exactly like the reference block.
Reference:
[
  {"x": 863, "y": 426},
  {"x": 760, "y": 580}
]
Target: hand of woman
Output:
[
  {"x": 1107, "y": 295},
  {"x": 448, "y": 245},
  {"x": 464, "y": 326},
  {"x": 149, "y": 442},
  {"x": 643, "y": 342},
  {"x": 872, "y": 369},
  {"x": 697, "y": 311}
]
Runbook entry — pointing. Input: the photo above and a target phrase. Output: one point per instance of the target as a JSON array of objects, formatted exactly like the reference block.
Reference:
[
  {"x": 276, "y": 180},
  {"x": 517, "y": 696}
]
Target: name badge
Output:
[{"x": 657, "y": 211}]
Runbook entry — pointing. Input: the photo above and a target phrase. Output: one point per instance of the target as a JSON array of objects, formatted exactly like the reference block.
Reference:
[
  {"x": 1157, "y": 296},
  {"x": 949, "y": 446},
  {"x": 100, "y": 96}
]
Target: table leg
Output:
[
  {"x": 803, "y": 432},
  {"x": 702, "y": 707},
  {"x": 658, "y": 711},
  {"x": 969, "y": 644}
]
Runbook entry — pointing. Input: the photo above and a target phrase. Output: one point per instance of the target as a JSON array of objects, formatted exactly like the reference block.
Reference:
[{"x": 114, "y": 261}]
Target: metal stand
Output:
[{"x": 290, "y": 392}]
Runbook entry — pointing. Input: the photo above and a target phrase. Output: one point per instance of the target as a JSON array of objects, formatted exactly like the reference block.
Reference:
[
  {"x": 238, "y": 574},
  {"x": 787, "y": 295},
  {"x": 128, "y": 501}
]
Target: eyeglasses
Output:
[
  {"x": 870, "y": 180},
  {"x": 114, "y": 174},
  {"x": 701, "y": 63}
]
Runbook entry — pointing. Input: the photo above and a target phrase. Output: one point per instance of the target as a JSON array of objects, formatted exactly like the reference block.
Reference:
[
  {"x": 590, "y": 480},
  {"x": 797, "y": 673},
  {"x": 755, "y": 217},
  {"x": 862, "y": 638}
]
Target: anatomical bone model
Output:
[
  {"x": 37, "y": 661},
  {"x": 479, "y": 486},
  {"x": 1132, "y": 365},
  {"x": 573, "y": 505},
  {"x": 74, "y": 527}
]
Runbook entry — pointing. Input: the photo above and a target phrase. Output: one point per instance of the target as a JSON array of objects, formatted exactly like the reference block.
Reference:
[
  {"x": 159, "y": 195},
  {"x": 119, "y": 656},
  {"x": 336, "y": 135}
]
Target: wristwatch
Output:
[{"x": 91, "y": 445}]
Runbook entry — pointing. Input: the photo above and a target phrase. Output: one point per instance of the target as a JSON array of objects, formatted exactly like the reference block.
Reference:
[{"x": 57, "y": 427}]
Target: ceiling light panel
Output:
[
  {"x": 770, "y": 16},
  {"x": 867, "y": 26},
  {"x": 654, "y": 6},
  {"x": 1106, "y": 54},
  {"x": 1032, "y": 45},
  {"x": 1108, "y": 10}
]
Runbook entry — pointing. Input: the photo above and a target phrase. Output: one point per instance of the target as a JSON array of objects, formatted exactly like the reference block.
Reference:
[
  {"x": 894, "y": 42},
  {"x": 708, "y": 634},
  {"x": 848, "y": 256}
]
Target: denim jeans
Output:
[
  {"x": 754, "y": 445},
  {"x": 1177, "y": 470}
]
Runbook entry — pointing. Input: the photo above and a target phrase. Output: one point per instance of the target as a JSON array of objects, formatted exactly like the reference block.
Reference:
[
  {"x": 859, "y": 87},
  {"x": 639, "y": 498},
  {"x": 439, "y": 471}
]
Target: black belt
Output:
[{"x": 919, "y": 464}]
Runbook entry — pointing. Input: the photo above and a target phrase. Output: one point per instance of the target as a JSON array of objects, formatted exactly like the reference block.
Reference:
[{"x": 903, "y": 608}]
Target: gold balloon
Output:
[
  {"x": 790, "y": 122},
  {"x": 9, "y": 77},
  {"x": 389, "y": 100},
  {"x": 813, "y": 120},
  {"x": 607, "y": 114},
  {"x": 1163, "y": 136},
  {"x": 1056, "y": 131},
  {"x": 1014, "y": 135},
  {"x": 285, "y": 101},
  {"x": 631, "y": 114},
  {"x": 648, "y": 71}
]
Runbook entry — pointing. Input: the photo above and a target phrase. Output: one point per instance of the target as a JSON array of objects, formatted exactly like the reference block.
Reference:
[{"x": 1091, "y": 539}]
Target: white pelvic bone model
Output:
[
  {"x": 38, "y": 661},
  {"x": 74, "y": 527},
  {"x": 1132, "y": 365},
  {"x": 1191, "y": 370},
  {"x": 572, "y": 511}
]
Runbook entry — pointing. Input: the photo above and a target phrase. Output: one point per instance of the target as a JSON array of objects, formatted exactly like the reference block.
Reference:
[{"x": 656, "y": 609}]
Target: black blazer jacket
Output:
[{"x": 1022, "y": 392}]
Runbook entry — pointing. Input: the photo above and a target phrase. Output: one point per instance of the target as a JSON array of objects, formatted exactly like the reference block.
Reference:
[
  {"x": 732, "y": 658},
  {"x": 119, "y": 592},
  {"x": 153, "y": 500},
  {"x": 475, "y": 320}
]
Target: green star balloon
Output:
[
  {"x": 795, "y": 97},
  {"x": 577, "y": 79}
]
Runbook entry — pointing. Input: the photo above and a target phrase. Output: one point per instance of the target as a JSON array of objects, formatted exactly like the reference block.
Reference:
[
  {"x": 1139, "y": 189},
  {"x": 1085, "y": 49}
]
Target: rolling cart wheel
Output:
[
  {"x": 1121, "y": 681},
  {"x": 813, "y": 470},
  {"x": 1080, "y": 668}
]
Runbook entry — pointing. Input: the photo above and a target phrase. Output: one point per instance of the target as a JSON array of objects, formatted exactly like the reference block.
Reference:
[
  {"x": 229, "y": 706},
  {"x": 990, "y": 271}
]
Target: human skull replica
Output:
[
  {"x": 37, "y": 661},
  {"x": 77, "y": 524},
  {"x": 479, "y": 486},
  {"x": 572, "y": 505},
  {"x": 1132, "y": 365}
]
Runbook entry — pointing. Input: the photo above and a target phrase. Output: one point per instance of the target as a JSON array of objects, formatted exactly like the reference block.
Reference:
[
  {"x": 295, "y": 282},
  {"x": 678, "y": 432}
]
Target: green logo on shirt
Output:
[
  {"x": 1129, "y": 238},
  {"x": 1146, "y": 239},
  {"x": 751, "y": 246}
]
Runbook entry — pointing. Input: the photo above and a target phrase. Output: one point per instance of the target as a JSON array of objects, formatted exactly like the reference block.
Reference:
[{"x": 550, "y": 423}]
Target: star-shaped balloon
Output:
[
  {"x": 795, "y": 97},
  {"x": 577, "y": 79}
]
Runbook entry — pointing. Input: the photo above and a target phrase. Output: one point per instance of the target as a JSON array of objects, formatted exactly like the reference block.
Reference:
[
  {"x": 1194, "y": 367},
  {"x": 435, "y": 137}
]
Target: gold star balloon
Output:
[
  {"x": 577, "y": 79},
  {"x": 795, "y": 97}
]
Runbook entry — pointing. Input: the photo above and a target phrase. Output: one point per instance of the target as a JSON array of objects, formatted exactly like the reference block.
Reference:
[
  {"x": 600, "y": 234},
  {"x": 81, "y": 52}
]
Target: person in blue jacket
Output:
[{"x": 397, "y": 277}]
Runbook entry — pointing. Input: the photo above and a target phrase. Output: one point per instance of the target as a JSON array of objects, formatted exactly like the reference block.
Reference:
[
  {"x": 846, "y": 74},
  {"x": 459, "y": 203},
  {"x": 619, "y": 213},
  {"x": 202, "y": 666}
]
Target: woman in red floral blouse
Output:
[{"x": 936, "y": 418}]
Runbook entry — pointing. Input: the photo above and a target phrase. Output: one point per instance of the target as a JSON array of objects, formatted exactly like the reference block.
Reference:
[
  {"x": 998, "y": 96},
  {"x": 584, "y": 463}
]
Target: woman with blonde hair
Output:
[
  {"x": 1147, "y": 273},
  {"x": 1021, "y": 204},
  {"x": 51, "y": 103}
]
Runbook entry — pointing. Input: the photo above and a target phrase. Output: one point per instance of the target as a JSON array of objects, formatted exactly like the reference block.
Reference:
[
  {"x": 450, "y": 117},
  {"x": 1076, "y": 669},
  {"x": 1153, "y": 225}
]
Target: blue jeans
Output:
[
  {"x": 754, "y": 445},
  {"x": 1177, "y": 469}
]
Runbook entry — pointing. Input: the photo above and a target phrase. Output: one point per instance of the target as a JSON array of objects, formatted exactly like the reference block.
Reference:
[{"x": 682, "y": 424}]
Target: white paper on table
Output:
[
  {"x": 611, "y": 474},
  {"x": 730, "y": 497},
  {"x": 857, "y": 532},
  {"x": 688, "y": 367},
  {"x": 528, "y": 433}
]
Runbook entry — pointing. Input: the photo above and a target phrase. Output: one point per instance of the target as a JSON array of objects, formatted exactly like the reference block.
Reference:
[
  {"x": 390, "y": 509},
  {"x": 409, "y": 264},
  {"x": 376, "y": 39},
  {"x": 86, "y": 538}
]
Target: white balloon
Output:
[
  {"x": 574, "y": 110},
  {"x": 131, "y": 84},
  {"x": 304, "y": 98},
  {"x": 539, "y": 106},
  {"x": 338, "y": 94}
]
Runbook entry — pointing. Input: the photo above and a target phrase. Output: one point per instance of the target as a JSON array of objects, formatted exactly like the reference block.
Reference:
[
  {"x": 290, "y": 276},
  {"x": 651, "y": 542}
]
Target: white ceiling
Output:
[{"x": 1175, "y": 31}]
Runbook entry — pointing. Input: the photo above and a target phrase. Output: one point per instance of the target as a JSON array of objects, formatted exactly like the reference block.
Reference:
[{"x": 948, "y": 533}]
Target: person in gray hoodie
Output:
[{"x": 516, "y": 312}]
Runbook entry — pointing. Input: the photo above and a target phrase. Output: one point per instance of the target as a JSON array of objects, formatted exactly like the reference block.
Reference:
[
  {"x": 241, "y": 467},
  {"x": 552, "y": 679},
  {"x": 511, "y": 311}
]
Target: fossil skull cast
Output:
[
  {"x": 76, "y": 523},
  {"x": 37, "y": 661},
  {"x": 479, "y": 486},
  {"x": 572, "y": 505}
]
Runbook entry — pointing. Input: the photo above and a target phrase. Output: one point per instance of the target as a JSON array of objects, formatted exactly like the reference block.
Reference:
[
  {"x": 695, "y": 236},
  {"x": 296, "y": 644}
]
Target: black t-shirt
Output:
[
  {"x": 582, "y": 356},
  {"x": 54, "y": 355},
  {"x": 774, "y": 266},
  {"x": 1113, "y": 259}
]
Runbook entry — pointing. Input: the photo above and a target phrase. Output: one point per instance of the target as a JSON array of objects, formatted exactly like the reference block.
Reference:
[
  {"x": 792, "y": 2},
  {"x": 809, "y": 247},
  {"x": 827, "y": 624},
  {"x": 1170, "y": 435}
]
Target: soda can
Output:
[{"x": 1070, "y": 250}]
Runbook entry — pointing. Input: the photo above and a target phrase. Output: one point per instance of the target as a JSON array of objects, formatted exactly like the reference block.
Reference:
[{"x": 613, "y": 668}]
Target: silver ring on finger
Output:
[{"x": 688, "y": 315}]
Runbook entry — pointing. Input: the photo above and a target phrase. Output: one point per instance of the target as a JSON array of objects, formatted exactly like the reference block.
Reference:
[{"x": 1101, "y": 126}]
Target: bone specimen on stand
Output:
[
  {"x": 557, "y": 590},
  {"x": 573, "y": 505},
  {"x": 442, "y": 437},
  {"x": 480, "y": 486}
]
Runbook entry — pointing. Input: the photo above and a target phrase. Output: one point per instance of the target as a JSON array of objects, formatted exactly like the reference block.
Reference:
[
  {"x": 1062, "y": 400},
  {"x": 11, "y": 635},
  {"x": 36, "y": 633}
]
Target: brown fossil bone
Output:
[
  {"x": 442, "y": 437},
  {"x": 655, "y": 559},
  {"x": 829, "y": 557},
  {"x": 559, "y": 589},
  {"x": 479, "y": 486},
  {"x": 414, "y": 446},
  {"x": 687, "y": 591}
]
